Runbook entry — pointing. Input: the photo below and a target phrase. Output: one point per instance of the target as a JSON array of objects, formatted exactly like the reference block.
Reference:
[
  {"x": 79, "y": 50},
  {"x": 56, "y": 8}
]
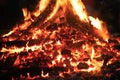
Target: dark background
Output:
[
  {"x": 10, "y": 13},
  {"x": 107, "y": 10}
]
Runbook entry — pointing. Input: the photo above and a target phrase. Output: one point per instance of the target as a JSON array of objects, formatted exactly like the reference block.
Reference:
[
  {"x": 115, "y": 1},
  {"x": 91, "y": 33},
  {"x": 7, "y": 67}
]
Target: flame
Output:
[
  {"x": 102, "y": 31},
  {"x": 26, "y": 14},
  {"x": 79, "y": 9},
  {"x": 59, "y": 4},
  {"x": 41, "y": 7},
  {"x": 8, "y": 34}
]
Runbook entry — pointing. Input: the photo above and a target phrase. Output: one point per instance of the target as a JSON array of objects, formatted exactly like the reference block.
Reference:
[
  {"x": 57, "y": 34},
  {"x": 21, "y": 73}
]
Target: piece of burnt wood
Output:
[
  {"x": 117, "y": 47},
  {"x": 55, "y": 70},
  {"x": 82, "y": 66},
  {"x": 66, "y": 52},
  {"x": 111, "y": 68},
  {"x": 21, "y": 43},
  {"x": 52, "y": 27},
  {"x": 115, "y": 65},
  {"x": 33, "y": 71},
  {"x": 16, "y": 72},
  {"x": 83, "y": 76},
  {"x": 75, "y": 45},
  {"x": 107, "y": 55},
  {"x": 113, "y": 41},
  {"x": 10, "y": 60}
]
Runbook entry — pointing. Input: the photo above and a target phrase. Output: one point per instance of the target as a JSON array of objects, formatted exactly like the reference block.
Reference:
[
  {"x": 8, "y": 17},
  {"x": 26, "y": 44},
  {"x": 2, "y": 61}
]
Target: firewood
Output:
[
  {"x": 21, "y": 43},
  {"x": 82, "y": 66}
]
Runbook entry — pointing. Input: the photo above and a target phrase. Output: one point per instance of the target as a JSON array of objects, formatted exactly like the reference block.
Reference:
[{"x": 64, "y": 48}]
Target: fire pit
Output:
[{"x": 59, "y": 41}]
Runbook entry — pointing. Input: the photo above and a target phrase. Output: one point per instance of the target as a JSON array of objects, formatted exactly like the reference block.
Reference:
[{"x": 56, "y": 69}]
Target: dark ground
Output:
[{"x": 11, "y": 13}]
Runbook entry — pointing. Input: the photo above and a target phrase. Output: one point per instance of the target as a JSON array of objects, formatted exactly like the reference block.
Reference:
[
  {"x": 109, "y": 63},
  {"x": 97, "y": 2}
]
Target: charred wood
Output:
[{"x": 21, "y": 43}]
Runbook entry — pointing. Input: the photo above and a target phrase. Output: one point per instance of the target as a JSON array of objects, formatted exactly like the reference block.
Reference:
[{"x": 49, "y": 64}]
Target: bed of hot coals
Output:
[{"x": 61, "y": 52}]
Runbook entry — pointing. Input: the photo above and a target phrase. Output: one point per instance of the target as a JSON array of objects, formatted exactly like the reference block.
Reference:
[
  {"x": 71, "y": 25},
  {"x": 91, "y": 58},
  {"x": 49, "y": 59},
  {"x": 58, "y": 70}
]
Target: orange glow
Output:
[
  {"x": 61, "y": 74},
  {"x": 44, "y": 75}
]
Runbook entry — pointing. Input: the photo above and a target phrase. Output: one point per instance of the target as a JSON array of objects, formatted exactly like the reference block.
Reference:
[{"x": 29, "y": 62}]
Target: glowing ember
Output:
[{"x": 53, "y": 43}]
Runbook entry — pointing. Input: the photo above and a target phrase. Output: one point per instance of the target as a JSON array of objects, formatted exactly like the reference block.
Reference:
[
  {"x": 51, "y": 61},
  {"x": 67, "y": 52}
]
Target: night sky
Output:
[{"x": 10, "y": 13}]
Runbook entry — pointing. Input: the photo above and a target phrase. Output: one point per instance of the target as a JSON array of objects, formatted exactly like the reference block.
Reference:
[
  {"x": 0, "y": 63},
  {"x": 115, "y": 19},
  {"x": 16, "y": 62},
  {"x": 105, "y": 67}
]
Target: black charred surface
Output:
[
  {"x": 52, "y": 27},
  {"x": 66, "y": 52},
  {"x": 21, "y": 43},
  {"x": 117, "y": 47},
  {"x": 82, "y": 66}
]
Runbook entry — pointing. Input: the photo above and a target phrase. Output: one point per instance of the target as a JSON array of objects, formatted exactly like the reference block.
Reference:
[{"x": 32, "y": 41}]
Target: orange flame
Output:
[{"x": 80, "y": 10}]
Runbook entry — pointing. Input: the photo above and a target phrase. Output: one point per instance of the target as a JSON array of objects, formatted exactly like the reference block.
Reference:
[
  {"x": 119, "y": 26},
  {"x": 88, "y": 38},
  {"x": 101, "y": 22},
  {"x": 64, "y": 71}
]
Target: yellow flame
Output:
[
  {"x": 59, "y": 3},
  {"x": 42, "y": 5},
  {"x": 79, "y": 9},
  {"x": 8, "y": 34},
  {"x": 102, "y": 30},
  {"x": 96, "y": 23},
  {"x": 12, "y": 50},
  {"x": 26, "y": 14},
  {"x": 93, "y": 52}
]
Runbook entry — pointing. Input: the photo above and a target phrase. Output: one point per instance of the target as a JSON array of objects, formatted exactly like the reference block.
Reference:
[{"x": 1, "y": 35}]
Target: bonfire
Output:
[{"x": 59, "y": 41}]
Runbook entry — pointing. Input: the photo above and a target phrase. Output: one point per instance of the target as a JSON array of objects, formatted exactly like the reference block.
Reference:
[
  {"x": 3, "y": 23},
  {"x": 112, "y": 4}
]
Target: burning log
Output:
[
  {"x": 21, "y": 43},
  {"x": 65, "y": 52},
  {"x": 82, "y": 66}
]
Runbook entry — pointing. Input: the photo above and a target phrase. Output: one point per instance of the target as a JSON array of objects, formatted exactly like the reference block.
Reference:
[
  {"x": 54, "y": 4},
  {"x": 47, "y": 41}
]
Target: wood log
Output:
[{"x": 21, "y": 43}]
